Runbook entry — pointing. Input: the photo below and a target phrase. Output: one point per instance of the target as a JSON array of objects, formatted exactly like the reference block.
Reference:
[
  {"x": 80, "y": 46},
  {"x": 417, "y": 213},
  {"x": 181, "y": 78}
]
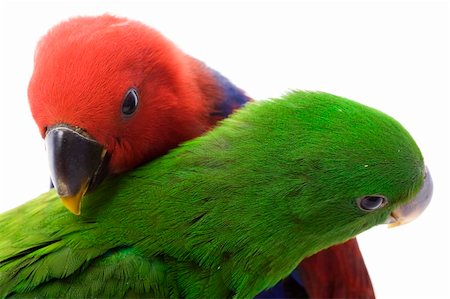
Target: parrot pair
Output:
[
  {"x": 127, "y": 87},
  {"x": 228, "y": 214},
  {"x": 131, "y": 89}
]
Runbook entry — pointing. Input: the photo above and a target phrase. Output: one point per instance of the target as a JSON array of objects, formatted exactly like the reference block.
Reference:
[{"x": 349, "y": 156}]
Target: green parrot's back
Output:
[{"x": 227, "y": 214}]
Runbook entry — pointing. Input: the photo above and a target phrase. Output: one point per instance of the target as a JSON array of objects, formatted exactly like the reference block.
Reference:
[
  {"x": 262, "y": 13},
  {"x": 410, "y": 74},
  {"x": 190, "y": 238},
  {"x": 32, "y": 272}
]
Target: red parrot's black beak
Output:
[{"x": 77, "y": 163}]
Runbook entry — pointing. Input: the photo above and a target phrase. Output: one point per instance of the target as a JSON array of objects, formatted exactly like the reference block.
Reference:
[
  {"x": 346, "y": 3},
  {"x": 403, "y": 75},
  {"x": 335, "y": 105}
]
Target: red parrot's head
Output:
[{"x": 109, "y": 94}]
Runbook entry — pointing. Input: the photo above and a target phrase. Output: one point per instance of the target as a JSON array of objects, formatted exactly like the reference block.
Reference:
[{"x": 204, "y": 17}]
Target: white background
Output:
[{"x": 393, "y": 56}]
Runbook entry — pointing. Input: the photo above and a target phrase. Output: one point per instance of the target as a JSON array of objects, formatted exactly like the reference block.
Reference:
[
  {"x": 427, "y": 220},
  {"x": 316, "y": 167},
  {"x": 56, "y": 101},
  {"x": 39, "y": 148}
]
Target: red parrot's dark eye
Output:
[
  {"x": 371, "y": 202},
  {"x": 130, "y": 102}
]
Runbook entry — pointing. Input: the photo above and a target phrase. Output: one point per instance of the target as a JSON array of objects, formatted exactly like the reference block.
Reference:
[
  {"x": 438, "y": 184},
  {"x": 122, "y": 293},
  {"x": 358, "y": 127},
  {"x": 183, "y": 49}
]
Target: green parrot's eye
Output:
[
  {"x": 371, "y": 202},
  {"x": 130, "y": 102}
]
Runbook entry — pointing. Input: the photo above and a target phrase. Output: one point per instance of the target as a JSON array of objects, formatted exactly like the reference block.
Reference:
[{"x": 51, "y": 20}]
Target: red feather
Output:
[{"x": 337, "y": 272}]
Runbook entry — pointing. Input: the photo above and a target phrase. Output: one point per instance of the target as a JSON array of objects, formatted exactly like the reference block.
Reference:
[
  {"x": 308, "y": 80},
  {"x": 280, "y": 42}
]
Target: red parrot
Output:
[{"x": 109, "y": 94}]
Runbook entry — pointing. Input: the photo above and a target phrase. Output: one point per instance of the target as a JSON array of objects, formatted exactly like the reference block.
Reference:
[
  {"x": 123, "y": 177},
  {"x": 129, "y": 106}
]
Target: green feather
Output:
[{"x": 227, "y": 214}]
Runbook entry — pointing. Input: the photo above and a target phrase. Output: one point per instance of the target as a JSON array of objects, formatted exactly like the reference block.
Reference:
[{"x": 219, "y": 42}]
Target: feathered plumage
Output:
[{"x": 227, "y": 214}]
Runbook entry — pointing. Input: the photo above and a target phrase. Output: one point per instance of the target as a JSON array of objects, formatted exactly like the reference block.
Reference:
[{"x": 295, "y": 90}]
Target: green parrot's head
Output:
[
  {"x": 343, "y": 167},
  {"x": 360, "y": 166}
]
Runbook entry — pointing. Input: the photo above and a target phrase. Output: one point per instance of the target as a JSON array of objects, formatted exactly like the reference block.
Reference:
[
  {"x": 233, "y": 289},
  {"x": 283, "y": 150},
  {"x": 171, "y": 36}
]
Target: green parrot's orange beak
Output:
[
  {"x": 415, "y": 207},
  {"x": 77, "y": 162}
]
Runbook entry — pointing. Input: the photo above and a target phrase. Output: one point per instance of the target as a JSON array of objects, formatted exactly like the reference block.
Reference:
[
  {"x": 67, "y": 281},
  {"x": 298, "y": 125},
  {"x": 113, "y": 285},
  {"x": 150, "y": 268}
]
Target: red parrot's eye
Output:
[
  {"x": 371, "y": 202},
  {"x": 130, "y": 102}
]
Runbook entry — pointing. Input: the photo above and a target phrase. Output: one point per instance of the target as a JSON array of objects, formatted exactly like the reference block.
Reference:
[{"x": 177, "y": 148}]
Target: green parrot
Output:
[{"x": 228, "y": 214}]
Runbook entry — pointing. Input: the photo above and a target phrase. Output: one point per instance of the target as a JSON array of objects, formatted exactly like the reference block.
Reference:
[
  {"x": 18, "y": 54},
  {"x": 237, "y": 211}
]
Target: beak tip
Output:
[
  {"x": 394, "y": 224},
  {"x": 73, "y": 204}
]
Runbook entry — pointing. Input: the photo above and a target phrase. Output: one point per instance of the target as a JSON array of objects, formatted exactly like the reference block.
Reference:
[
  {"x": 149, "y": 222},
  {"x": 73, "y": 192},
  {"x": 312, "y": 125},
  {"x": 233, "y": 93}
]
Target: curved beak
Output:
[
  {"x": 415, "y": 207},
  {"x": 76, "y": 163}
]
